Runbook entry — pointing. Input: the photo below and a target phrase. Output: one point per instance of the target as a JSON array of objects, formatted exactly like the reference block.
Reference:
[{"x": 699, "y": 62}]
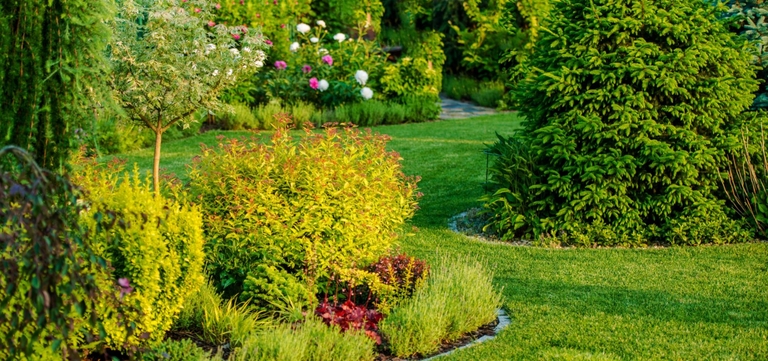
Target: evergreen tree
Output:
[
  {"x": 51, "y": 63},
  {"x": 628, "y": 107}
]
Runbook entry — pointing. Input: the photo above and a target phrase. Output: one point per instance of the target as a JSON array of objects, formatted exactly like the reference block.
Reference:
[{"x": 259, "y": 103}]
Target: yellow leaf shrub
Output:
[
  {"x": 283, "y": 218},
  {"x": 157, "y": 246}
]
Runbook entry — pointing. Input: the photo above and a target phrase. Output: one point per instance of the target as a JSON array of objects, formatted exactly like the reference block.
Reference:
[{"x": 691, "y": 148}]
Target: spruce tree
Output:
[{"x": 628, "y": 106}]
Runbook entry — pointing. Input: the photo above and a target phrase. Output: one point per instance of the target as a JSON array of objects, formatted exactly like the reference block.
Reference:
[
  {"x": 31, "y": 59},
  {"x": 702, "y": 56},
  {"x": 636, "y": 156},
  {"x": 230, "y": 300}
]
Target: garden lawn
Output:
[{"x": 680, "y": 303}]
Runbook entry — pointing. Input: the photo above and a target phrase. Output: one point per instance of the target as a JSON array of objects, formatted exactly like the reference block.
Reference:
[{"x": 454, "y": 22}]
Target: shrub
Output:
[
  {"x": 308, "y": 341},
  {"x": 747, "y": 17},
  {"x": 157, "y": 253},
  {"x": 402, "y": 273},
  {"x": 627, "y": 125},
  {"x": 182, "y": 350},
  {"x": 44, "y": 270},
  {"x": 298, "y": 212},
  {"x": 459, "y": 87},
  {"x": 239, "y": 118},
  {"x": 489, "y": 95},
  {"x": 458, "y": 297},
  {"x": 266, "y": 113},
  {"x": 421, "y": 108}
]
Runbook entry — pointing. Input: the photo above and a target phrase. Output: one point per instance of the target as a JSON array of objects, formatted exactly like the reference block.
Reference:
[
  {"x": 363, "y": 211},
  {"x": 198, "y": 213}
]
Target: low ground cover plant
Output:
[
  {"x": 458, "y": 297},
  {"x": 283, "y": 218}
]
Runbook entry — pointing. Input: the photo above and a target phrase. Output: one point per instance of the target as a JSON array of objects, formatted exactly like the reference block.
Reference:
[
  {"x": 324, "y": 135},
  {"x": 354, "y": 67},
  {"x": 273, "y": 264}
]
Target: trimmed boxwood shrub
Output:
[
  {"x": 629, "y": 108},
  {"x": 155, "y": 253},
  {"x": 283, "y": 218}
]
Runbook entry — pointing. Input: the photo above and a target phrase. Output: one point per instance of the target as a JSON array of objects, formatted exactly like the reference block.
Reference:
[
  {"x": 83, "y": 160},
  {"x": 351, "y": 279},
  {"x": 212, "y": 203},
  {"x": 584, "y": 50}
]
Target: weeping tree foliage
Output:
[
  {"x": 631, "y": 108},
  {"x": 51, "y": 62},
  {"x": 169, "y": 61}
]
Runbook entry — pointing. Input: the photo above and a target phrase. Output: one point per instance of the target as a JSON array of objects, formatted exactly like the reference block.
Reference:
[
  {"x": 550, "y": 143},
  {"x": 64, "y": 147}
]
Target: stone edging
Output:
[{"x": 504, "y": 321}]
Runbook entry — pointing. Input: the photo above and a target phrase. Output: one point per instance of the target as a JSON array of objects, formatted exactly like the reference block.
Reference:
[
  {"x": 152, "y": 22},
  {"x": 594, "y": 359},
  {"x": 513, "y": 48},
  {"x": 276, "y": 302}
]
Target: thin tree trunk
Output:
[{"x": 156, "y": 166}]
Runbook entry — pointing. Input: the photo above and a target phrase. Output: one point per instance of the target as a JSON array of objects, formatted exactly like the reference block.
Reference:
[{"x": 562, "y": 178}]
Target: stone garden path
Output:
[{"x": 454, "y": 109}]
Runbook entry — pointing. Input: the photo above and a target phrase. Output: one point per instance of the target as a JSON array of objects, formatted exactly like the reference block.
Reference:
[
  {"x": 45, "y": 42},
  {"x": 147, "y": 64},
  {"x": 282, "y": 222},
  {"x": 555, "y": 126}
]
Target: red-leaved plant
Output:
[{"x": 349, "y": 316}]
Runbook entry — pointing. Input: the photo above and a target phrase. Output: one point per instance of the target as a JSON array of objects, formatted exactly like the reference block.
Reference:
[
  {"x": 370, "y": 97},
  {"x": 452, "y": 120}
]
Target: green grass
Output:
[{"x": 681, "y": 303}]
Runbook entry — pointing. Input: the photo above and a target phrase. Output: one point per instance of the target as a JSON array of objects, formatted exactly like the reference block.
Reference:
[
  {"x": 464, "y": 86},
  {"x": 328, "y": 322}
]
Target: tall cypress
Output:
[{"x": 51, "y": 59}]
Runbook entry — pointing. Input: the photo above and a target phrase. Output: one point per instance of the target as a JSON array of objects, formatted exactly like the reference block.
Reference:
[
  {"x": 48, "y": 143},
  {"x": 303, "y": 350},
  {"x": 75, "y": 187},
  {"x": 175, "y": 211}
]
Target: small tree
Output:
[{"x": 168, "y": 61}]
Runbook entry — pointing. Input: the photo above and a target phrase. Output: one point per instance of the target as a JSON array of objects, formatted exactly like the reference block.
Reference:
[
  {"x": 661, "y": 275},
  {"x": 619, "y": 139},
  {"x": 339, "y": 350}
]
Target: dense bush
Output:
[
  {"x": 281, "y": 218},
  {"x": 401, "y": 274},
  {"x": 44, "y": 260},
  {"x": 484, "y": 93},
  {"x": 747, "y": 17},
  {"x": 182, "y": 350},
  {"x": 458, "y": 297},
  {"x": 630, "y": 109},
  {"x": 157, "y": 253}
]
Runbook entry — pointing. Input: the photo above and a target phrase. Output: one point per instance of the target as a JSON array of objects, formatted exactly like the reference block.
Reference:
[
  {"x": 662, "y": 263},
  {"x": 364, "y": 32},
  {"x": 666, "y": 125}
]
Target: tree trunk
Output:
[{"x": 156, "y": 166}]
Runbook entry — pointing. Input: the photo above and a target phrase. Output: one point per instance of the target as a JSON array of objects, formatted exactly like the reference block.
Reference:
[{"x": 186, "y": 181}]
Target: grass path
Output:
[{"x": 702, "y": 303}]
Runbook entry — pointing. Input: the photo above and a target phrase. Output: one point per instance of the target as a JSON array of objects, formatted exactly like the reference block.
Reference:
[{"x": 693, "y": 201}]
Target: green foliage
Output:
[
  {"x": 485, "y": 41},
  {"x": 458, "y": 298},
  {"x": 361, "y": 16},
  {"x": 484, "y": 93},
  {"x": 182, "y": 350},
  {"x": 158, "y": 250},
  {"x": 241, "y": 117},
  {"x": 748, "y": 18},
  {"x": 412, "y": 76},
  {"x": 626, "y": 141},
  {"x": 149, "y": 81},
  {"x": 51, "y": 71},
  {"x": 309, "y": 341},
  {"x": 370, "y": 113},
  {"x": 44, "y": 257},
  {"x": 318, "y": 208}
]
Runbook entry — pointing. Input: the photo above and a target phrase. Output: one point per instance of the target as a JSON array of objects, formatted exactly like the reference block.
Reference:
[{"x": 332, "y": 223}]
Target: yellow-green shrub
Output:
[
  {"x": 157, "y": 246},
  {"x": 281, "y": 218}
]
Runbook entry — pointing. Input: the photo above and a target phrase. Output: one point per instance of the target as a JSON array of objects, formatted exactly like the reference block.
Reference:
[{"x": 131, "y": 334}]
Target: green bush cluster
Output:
[
  {"x": 458, "y": 297},
  {"x": 283, "y": 217},
  {"x": 484, "y": 93},
  {"x": 631, "y": 108},
  {"x": 157, "y": 252}
]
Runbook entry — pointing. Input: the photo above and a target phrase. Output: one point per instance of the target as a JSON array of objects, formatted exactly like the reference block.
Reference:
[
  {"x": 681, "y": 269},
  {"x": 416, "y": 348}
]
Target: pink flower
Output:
[
  {"x": 236, "y": 36},
  {"x": 306, "y": 69},
  {"x": 211, "y": 23},
  {"x": 313, "y": 83},
  {"x": 268, "y": 42},
  {"x": 197, "y": 10},
  {"x": 274, "y": 2},
  {"x": 282, "y": 26},
  {"x": 280, "y": 65},
  {"x": 125, "y": 286},
  {"x": 217, "y": 6},
  {"x": 327, "y": 59}
]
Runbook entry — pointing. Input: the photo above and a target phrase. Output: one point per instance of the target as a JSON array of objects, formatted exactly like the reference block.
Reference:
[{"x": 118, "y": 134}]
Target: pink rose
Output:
[
  {"x": 197, "y": 10},
  {"x": 217, "y": 6},
  {"x": 306, "y": 69},
  {"x": 211, "y": 23},
  {"x": 313, "y": 83},
  {"x": 280, "y": 65},
  {"x": 236, "y": 36},
  {"x": 268, "y": 42},
  {"x": 327, "y": 59}
]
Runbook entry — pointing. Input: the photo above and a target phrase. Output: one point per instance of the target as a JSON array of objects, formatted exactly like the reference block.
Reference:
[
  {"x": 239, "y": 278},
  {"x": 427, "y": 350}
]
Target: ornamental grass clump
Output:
[
  {"x": 284, "y": 218},
  {"x": 458, "y": 297},
  {"x": 631, "y": 108}
]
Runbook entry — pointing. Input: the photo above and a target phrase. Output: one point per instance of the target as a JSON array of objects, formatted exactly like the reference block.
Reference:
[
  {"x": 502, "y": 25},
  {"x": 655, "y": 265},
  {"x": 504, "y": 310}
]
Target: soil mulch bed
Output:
[{"x": 485, "y": 330}]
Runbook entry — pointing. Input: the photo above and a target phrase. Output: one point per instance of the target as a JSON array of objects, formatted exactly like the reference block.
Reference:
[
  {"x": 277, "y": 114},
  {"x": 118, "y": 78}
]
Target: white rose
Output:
[
  {"x": 215, "y": 72},
  {"x": 321, "y": 23},
  {"x": 303, "y": 28},
  {"x": 367, "y": 93},
  {"x": 322, "y": 85},
  {"x": 339, "y": 37},
  {"x": 258, "y": 63},
  {"x": 295, "y": 47},
  {"x": 361, "y": 76},
  {"x": 314, "y": 40}
]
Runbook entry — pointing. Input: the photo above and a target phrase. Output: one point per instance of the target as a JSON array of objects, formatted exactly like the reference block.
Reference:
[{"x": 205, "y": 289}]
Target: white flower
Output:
[
  {"x": 246, "y": 50},
  {"x": 361, "y": 76},
  {"x": 367, "y": 93},
  {"x": 209, "y": 48},
  {"x": 339, "y": 37},
  {"x": 322, "y": 85},
  {"x": 215, "y": 72},
  {"x": 234, "y": 52},
  {"x": 258, "y": 63},
  {"x": 322, "y": 51},
  {"x": 295, "y": 47},
  {"x": 303, "y": 28},
  {"x": 194, "y": 66},
  {"x": 321, "y": 23},
  {"x": 229, "y": 72},
  {"x": 314, "y": 39},
  {"x": 260, "y": 55}
]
